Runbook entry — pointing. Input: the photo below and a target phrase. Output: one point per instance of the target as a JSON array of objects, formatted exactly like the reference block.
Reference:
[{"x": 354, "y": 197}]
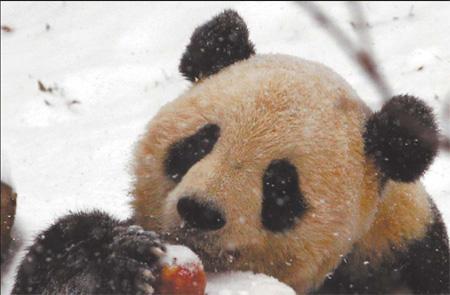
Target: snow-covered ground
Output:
[{"x": 110, "y": 67}]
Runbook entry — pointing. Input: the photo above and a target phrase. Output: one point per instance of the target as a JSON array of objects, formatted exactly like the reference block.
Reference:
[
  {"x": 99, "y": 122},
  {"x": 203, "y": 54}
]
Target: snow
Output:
[
  {"x": 111, "y": 66},
  {"x": 180, "y": 255},
  {"x": 245, "y": 283}
]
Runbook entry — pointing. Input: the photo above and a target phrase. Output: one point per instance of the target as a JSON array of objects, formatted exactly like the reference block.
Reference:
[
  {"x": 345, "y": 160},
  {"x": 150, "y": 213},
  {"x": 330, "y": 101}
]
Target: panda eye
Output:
[
  {"x": 282, "y": 202},
  {"x": 185, "y": 153}
]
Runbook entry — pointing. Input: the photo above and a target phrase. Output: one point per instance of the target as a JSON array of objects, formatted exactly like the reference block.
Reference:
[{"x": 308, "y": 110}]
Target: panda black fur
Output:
[{"x": 272, "y": 160}]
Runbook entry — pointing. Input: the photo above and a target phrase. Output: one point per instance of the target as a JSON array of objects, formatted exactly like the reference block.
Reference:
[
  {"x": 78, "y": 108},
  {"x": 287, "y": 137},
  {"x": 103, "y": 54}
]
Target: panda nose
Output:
[{"x": 200, "y": 215}]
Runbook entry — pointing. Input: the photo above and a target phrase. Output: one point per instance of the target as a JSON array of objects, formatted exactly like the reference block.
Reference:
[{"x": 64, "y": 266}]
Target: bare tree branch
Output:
[
  {"x": 361, "y": 27},
  {"x": 364, "y": 58},
  {"x": 363, "y": 53}
]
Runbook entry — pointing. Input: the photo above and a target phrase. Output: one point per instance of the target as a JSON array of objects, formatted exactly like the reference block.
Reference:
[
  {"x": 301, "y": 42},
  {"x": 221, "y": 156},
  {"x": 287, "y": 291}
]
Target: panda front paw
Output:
[{"x": 133, "y": 262}]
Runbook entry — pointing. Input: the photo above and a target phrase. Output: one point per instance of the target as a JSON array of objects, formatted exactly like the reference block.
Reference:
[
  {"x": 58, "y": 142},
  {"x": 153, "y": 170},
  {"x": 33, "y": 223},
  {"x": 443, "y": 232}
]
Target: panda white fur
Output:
[{"x": 268, "y": 163}]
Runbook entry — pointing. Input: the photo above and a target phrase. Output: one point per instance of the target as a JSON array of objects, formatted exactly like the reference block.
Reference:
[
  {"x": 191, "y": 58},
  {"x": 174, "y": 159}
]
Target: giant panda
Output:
[
  {"x": 8, "y": 207},
  {"x": 267, "y": 163}
]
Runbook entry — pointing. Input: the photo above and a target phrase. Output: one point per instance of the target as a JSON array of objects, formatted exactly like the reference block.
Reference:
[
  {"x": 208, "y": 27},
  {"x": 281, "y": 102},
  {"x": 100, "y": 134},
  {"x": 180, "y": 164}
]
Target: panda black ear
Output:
[
  {"x": 402, "y": 138},
  {"x": 216, "y": 44}
]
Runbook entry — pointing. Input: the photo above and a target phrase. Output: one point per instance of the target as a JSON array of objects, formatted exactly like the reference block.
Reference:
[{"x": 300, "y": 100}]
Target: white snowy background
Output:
[{"x": 111, "y": 66}]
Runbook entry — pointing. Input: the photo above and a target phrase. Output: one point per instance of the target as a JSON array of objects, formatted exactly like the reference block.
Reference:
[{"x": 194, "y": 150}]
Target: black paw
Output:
[{"x": 133, "y": 262}]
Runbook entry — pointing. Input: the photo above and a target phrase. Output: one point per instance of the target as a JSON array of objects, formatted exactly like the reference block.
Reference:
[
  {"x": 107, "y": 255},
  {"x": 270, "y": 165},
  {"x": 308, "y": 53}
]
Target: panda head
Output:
[{"x": 271, "y": 163}]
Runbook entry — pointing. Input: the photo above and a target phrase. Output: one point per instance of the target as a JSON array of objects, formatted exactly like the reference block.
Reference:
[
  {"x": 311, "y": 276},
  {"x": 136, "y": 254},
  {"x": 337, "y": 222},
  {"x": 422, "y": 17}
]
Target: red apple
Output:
[{"x": 182, "y": 273}]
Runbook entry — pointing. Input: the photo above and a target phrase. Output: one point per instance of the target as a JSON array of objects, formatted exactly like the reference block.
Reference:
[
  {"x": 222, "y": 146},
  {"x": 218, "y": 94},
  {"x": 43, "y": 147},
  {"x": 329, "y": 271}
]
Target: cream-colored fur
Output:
[{"x": 276, "y": 107}]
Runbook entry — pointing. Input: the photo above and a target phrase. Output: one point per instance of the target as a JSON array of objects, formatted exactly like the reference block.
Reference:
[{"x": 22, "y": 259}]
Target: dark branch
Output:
[
  {"x": 363, "y": 54},
  {"x": 364, "y": 58}
]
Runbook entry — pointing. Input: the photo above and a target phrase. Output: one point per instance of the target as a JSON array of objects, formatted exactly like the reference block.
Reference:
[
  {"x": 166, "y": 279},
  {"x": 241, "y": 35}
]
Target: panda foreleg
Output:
[
  {"x": 422, "y": 268},
  {"x": 426, "y": 263},
  {"x": 90, "y": 253}
]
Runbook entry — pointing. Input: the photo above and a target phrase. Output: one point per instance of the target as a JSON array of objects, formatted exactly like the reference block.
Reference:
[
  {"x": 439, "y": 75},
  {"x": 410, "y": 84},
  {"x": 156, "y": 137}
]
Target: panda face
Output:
[{"x": 260, "y": 167}]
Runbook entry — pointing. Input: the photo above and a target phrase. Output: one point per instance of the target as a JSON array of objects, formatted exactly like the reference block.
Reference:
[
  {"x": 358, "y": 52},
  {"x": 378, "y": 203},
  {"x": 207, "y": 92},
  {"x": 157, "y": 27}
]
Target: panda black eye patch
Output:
[
  {"x": 283, "y": 201},
  {"x": 183, "y": 154}
]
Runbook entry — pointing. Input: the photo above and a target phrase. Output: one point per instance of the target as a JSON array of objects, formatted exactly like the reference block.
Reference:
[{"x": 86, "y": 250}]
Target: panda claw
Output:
[
  {"x": 148, "y": 275},
  {"x": 146, "y": 289},
  {"x": 158, "y": 252}
]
